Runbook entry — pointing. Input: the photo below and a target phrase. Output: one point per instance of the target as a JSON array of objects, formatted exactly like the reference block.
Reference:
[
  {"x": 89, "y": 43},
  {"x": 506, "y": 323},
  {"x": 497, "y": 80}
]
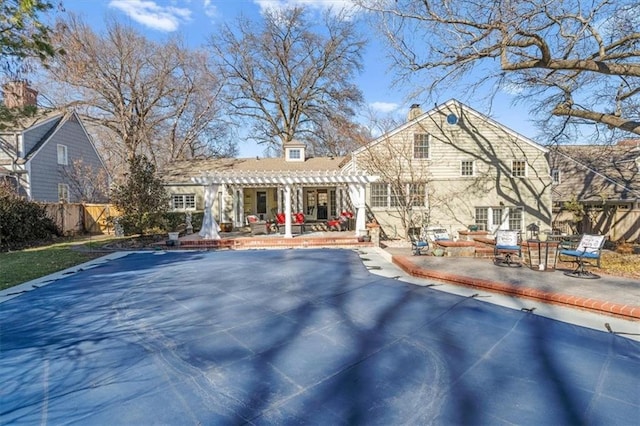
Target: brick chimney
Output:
[
  {"x": 18, "y": 94},
  {"x": 414, "y": 111}
]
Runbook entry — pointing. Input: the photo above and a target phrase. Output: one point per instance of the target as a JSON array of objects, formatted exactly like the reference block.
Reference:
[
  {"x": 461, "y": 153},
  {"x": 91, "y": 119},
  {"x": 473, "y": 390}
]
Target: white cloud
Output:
[
  {"x": 315, "y": 4},
  {"x": 209, "y": 9},
  {"x": 150, "y": 14},
  {"x": 384, "y": 107}
]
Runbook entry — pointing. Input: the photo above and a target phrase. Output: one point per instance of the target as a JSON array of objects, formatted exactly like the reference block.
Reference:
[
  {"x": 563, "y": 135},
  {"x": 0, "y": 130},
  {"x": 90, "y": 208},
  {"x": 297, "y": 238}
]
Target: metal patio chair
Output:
[
  {"x": 507, "y": 246},
  {"x": 589, "y": 249}
]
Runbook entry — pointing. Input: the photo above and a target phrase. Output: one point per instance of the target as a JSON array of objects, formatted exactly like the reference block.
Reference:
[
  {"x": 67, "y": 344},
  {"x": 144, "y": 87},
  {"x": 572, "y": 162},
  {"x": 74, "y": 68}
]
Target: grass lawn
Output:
[{"x": 19, "y": 266}]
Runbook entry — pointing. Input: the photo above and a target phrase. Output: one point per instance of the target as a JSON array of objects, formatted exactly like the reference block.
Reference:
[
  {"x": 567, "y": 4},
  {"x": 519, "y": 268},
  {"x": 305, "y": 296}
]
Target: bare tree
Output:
[
  {"x": 403, "y": 181},
  {"x": 154, "y": 99},
  {"x": 86, "y": 183},
  {"x": 337, "y": 136},
  {"x": 579, "y": 59},
  {"x": 288, "y": 74}
]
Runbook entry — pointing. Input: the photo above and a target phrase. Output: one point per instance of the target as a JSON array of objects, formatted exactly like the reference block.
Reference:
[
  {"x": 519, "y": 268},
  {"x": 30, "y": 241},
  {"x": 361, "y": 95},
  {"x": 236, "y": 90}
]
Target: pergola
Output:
[{"x": 287, "y": 180}]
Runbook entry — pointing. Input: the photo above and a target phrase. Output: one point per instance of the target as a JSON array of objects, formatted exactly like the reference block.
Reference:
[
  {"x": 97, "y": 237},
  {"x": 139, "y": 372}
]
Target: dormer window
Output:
[
  {"x": 294, "y": 154},
  {"x": 294, "y": 151}
]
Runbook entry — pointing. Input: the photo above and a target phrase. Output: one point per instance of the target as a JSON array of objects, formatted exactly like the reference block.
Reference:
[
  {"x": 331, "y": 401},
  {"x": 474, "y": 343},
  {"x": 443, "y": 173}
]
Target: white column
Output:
[
  {"x": 299, "y": 202},
  {"x": 357, "y": 195},
  {"x": 287, "y": 211},
  {"x": 279, "y": 189},
  {"x": 239, "y": 203}
]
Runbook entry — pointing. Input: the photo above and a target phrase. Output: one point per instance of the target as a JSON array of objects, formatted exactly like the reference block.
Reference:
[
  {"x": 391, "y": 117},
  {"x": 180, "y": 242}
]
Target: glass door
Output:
[
  {"x": 261, "y": 204},
  {"x": 323, "y": 204},
  {"x": 311, "y": 204}
]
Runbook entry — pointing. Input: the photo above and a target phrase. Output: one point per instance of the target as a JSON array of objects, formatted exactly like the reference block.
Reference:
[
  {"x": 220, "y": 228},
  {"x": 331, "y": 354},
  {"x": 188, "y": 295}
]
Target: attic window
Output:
[
  {"x": 452, "y": 119},
  {"x": 294, "y": 154},
  {"x": 62, "y": 155},
  {"x": 555, "y": 176}
]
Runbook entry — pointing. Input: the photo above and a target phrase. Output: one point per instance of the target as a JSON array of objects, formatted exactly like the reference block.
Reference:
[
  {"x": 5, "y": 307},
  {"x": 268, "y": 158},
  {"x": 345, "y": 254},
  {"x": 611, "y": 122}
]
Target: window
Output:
[
  {"x": 497, "y": 217},
  {"x": 385, "y": 195},
  {"x": 491, "y": 218},
  {"x": 63, "y": 192},
  {"x": 418, "y": 194},
  {"x": 518, "y": 168},
  {"x": 379, "y": 194},
  {"x": 294, "y": 154},
  {"x": 62, "y": 155},
  {"x": 482, "y": 218},
  {"x": 515, "y": 218},
  {"x": 183, "y": 202},
  {"x": 420, "y": 145},
  {"x": 466, "y": 168},
  {"x": 555, "y": 176},
  {"x": 452, "y": 119}
]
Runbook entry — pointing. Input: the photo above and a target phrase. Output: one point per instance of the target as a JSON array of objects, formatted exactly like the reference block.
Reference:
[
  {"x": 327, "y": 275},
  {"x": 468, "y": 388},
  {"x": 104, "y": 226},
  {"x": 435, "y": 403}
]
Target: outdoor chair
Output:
[
  {"x": 435, "y": 234},
  {"x": 507, "y": 246},
  {"x": 340, "y": 223},
  {"x": 589, "y": 249},
  {"x": 418, "y": 244},
  {"x": 297, "y": 222}
]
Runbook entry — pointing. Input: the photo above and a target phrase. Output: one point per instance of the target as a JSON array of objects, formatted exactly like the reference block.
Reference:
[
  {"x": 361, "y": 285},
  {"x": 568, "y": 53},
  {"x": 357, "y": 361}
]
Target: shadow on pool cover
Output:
[{"x": 295, "y": 336}]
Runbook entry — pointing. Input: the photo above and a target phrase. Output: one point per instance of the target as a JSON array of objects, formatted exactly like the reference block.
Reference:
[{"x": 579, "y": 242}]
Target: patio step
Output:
[{"x": 272, "y": 242}]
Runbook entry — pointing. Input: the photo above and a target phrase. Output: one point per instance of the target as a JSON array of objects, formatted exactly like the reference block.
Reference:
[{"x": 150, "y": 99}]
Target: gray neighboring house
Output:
[
  {"x": 605, "y": 182},
  {"x": 39, "y": 154}
]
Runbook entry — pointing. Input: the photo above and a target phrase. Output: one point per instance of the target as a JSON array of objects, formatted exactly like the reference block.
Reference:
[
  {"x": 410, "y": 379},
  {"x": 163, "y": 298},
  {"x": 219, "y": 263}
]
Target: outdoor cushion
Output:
[{"x": 580, "y": 253}]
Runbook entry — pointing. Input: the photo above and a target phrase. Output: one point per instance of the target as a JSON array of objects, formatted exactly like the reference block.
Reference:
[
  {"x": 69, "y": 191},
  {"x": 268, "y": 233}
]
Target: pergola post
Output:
[
  {"x": 357, "y": 195},
  {"x": 287, "y": 211}
]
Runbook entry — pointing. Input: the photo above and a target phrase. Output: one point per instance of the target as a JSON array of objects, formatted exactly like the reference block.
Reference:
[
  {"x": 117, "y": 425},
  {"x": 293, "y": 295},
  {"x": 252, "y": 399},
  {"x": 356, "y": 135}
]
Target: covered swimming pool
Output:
[{"x": 295, "y": 336}]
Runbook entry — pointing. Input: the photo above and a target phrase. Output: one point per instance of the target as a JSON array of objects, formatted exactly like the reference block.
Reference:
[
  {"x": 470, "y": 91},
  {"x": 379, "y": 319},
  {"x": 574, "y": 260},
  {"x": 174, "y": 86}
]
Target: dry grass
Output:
[{"x": 621, "y": 264}]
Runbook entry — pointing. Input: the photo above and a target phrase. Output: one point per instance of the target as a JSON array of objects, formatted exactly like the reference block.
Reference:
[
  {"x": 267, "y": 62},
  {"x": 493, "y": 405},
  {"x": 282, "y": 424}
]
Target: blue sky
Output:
[{"x": 195, "y": 20}]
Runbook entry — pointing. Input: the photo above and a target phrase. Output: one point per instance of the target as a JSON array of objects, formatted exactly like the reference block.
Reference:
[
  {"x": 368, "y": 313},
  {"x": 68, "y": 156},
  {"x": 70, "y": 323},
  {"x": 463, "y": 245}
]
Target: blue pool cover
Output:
[{"x": 295, "y": 337}]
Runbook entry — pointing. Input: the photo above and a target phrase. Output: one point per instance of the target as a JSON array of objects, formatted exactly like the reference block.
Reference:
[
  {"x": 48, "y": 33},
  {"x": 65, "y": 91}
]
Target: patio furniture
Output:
[
  {"x": 540, "y": 255},
  {"x": 589, "y": 248},
  {"x": 507, "y": 245},
  {"x": 340, "y": 223},
  {"x": 418, "y": 244},
  {"x": 435, "y": 234},
  {"x": 297, "y": 222}
]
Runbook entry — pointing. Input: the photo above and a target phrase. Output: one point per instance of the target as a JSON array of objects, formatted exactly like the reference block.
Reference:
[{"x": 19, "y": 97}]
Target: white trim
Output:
[
  {"x": 62, "y": 154},
  {"x": 257, "y": 179}
]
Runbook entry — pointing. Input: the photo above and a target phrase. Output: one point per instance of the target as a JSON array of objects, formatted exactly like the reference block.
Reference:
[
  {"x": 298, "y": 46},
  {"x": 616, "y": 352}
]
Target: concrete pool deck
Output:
[{"x": 607, "y": 295}]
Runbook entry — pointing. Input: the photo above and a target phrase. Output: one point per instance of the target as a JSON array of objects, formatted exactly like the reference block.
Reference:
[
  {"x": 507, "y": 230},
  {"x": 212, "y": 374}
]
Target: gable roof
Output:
[
  {"x": 58, "y": 121},
  {"x": 182, "y": 172},
  {"x": 451, "y": 105},
  {"x": 41, "y": 117},
  {"x": 598, "y": 173}
]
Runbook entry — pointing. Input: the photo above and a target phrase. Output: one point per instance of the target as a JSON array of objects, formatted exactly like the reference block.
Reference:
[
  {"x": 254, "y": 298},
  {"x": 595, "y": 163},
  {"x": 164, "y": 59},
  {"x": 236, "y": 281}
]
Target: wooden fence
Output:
[
  {"x": 616, "y": 224},
  {"x": 73, "y": 218}
]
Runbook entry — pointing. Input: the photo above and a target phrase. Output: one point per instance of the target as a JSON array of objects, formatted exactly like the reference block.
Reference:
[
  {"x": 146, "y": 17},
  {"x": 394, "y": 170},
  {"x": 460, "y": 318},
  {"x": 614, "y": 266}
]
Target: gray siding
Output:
[
  {"x": 33, "y": 135},
  {"x": 45, "y": 171}
]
